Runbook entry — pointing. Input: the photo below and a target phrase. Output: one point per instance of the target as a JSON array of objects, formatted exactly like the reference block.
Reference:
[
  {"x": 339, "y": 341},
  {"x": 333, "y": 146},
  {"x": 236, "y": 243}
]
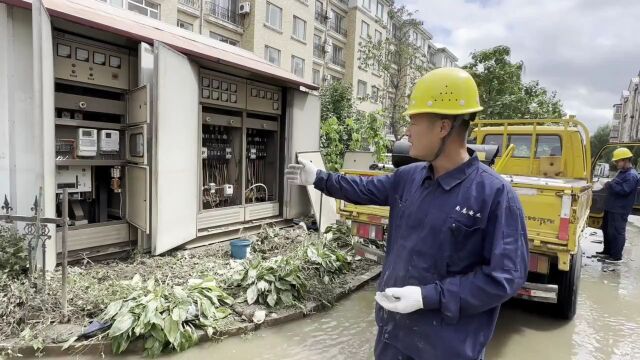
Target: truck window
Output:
[
  {"x": 523, "y": 145},
  {"x": 493, "y": 140},
  {"x": 549, "y": 145}
]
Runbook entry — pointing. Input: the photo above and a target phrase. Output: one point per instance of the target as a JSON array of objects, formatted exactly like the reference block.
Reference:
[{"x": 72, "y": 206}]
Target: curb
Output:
[{"x": 104, "y": 346}]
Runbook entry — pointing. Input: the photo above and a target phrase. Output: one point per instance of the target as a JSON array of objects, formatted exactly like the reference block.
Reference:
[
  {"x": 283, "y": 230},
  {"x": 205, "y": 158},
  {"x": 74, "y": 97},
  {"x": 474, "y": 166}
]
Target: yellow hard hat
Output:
[
  {"x": 448, "y": 91},
  {"x": 621, "y": 153}
]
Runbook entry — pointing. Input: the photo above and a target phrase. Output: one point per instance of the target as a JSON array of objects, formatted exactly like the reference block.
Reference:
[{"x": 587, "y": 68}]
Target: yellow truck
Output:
[{"x": 548, "y": 163}]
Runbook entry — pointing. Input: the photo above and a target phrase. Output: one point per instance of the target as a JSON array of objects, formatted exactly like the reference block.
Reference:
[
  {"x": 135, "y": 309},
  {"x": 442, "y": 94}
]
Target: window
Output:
[
  {"x": 297, "y": 66},
  {"x": 144, "y": 7},
  {"x": 336, "y": 24},
  {"x": 316, "y": 76},
  {"x": 493, "y": 140},
  {"x": 522, "y": 143},
  {"x": 548, "y": 145},
  {"x": 364, "y": 29},
  {"x": 333, "y": 79},
  {"x": 272, "y": 55},
  {"x": 362, "y": 89},
  {"x": 318, "y": 50},
  {"x": 366, "y": 4},
  {"x": 223, "y": 38},
  {"x": 378, "y": 36},
  {"x": 380, "y": 10},
  {"x": 374, "y": 94},
  {"x": 299, "y": 28},
  {"x": 185, "y": 25},
  {"x": 274, "y": 16}
]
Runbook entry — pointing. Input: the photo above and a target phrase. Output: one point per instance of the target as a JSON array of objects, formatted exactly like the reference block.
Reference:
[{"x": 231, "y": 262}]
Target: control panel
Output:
[
  {"x": 222, "y": 89},
  {"x": 264, "y": 98},
  {"x": 81, "y": 60}
]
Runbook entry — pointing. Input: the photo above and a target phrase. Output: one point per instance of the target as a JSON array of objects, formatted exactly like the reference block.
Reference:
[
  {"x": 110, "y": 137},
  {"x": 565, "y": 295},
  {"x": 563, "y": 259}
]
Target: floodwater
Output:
[{"x": 606, "y": 327}]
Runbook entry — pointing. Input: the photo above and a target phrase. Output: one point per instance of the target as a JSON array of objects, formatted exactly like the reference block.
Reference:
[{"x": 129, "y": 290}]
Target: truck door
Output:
[{"x": 604, "y": 170}]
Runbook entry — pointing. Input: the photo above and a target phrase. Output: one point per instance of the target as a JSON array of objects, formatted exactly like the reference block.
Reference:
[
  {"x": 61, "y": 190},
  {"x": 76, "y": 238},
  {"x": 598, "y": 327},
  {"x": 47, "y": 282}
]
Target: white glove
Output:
[
  {"x": 401, "y": 300},
  {"x": 301, "y": 174}
]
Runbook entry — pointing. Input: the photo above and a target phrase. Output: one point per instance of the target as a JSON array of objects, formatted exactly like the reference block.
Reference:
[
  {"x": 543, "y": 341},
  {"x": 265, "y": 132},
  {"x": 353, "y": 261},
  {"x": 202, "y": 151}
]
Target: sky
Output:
[{"x": 586, "y": 50}]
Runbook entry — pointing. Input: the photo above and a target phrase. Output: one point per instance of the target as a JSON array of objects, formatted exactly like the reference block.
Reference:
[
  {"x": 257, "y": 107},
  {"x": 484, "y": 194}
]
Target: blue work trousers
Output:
[
  {"x": 387, "y": 351},
  {"x": 614, "y": 226}
]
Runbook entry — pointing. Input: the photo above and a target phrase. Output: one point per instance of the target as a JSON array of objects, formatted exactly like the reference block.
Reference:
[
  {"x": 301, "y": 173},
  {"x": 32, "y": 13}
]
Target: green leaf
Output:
[
  {"x": 120, "y": 343},
  {"x": 286, "y": 297},
  {"x": 272, "y": 298},
  {"x": 281, "y": 285},
  {"x": 252, "y": 294},
  {"x": 171, "y": 329},
  {"x": 112, "y": 310},
  {"x": 121, "y": 325},
  {"x": 157, "y": 332}
]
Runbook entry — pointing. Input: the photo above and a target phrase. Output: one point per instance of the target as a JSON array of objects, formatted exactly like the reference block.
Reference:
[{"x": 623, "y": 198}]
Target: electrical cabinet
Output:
[{"x": 240, "y": 147}]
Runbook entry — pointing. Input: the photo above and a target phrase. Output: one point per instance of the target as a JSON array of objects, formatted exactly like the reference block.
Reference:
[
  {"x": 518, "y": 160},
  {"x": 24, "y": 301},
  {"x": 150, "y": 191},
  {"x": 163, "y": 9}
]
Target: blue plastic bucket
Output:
[{"x": 240, "y": 248}]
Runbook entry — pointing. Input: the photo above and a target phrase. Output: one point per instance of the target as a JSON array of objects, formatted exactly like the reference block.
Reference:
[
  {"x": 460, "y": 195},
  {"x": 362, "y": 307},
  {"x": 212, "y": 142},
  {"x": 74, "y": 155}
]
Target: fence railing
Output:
[
  {"x": 37, "y": 233},
  {"x": 222, "y": 13},
  {"x": 194, "y": 4},
  {"x": 337, "y": 27},
  {"x": 337, "y": 61}
]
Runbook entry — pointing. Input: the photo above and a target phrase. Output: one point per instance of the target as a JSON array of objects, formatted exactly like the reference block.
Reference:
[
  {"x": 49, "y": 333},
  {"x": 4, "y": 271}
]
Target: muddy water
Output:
[{"x": 607, "y": 326}]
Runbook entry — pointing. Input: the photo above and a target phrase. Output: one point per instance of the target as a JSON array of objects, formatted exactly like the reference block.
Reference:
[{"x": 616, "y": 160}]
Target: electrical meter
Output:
[
  {"x": 87, "y": 142},
  {"x": 109, "y": 141}
]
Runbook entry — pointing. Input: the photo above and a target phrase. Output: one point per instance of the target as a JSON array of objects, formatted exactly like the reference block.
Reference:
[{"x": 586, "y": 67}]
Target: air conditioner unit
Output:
[{"x": 244, "y": 8}]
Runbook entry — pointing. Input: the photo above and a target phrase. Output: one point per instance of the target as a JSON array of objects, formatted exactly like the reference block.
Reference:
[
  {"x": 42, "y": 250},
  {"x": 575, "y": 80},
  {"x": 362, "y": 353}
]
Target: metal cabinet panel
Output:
[
  {"x": 175, "y": 152},
  {"x": 137, "y": 196},
  {"x": 261, "y": 124},
  {"x": 138, "y": 106}
]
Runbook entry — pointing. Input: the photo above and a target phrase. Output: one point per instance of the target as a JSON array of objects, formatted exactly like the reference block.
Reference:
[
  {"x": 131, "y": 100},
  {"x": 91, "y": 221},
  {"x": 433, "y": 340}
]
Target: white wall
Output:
[{"x": 30, "y": 134}]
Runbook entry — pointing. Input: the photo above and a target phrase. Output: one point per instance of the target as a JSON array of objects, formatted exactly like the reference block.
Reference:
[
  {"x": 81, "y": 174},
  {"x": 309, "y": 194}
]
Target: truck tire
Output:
[{"x": 568, "y": 283}]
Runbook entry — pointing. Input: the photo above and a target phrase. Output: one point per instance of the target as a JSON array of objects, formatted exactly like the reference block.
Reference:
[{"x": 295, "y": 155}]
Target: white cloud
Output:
[{"x": 587, "y": 50}]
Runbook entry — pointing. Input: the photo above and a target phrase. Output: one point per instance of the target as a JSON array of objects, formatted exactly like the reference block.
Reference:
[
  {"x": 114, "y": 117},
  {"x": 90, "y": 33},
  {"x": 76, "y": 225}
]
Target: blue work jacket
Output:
[
  {"x": 621, "y": 192},
  {"x": 461, "y": 238}
]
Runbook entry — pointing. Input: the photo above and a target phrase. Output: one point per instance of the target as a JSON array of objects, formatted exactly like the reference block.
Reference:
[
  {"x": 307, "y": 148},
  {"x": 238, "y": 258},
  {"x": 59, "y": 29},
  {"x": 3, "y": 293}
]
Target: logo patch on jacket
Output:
[{"x": 468, "y": 212}]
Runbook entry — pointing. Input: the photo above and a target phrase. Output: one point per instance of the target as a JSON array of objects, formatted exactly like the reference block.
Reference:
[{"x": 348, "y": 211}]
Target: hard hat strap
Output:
[{"x": 454, "y": 124}]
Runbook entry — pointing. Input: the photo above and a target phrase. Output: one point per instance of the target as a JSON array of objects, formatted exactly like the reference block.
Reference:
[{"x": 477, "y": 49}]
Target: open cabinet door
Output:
[
  {"x": 175, "y": 150},
  {"x": 44, "y": 117}
]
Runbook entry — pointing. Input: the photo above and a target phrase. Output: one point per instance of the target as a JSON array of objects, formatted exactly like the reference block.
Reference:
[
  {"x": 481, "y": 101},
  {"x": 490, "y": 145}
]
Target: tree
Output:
[
  {"x": 503, "y": 94},
  {"x": 599, "y": 139},
  {"x": 343, "y": 128},
  {"x": 400, "y": 61}
]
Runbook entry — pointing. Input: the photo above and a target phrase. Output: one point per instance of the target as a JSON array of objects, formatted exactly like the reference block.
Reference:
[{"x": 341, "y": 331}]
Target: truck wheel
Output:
[{"x": 568, "y": 282}]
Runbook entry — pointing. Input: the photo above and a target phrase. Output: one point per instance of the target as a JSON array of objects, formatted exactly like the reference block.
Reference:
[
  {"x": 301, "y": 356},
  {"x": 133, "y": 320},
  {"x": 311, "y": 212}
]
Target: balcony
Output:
[
  {"x": 338, "y": 28},
  {"x": 223, "y": 14},
  {"x": 337, "y": 61},
  {"x": 318, "y": 51},
  {"x": 321, "y": 18},
  {"x": 190, "y": 5}
]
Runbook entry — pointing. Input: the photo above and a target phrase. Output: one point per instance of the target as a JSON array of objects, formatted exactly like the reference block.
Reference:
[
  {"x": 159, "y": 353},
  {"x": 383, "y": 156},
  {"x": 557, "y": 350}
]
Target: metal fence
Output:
[
  {"x": 222, "y": 13},
  {"x": 337, "y": 27},
  {"x": 37, "y": 233},
  {"x": 194, "y": 4}
]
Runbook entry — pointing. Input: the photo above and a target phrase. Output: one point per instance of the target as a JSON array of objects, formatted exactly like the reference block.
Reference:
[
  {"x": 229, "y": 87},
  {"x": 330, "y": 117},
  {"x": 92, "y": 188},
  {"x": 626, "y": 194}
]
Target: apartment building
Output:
[
  {"x": 614, "y": 133},
  {"x": 317, "y": 40},
  {"x": 625, "y": 126}
]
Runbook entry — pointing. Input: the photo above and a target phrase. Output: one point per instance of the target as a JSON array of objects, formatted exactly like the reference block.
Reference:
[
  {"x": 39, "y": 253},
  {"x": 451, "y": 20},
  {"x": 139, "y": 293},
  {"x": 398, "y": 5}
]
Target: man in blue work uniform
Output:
[
  {"x": 457, "y": 242},
  {"x": 621, "y": 195}
]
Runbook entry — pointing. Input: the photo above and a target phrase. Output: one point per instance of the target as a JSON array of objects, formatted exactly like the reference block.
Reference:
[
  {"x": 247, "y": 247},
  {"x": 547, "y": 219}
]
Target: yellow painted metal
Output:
[
  {"x": 505, "y": 158},
  {"x": 574, "y": 135}
]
